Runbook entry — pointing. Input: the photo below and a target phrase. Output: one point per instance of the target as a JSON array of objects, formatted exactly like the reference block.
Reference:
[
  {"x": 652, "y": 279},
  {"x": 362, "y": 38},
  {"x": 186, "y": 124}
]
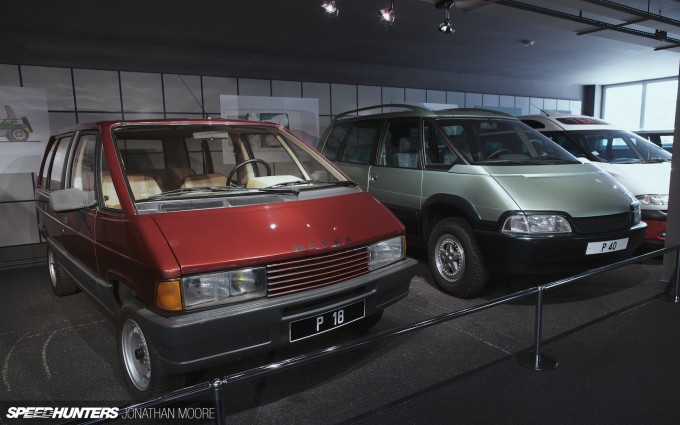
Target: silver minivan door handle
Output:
[{"x": 372, "y": 177}]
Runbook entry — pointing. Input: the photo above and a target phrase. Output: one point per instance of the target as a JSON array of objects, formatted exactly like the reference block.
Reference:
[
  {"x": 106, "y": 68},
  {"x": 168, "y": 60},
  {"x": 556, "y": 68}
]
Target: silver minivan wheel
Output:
[
  {"x": 135, "y": 354},
  {"x": 450, "y": 258},
  {"x": 455, "y": 258}
]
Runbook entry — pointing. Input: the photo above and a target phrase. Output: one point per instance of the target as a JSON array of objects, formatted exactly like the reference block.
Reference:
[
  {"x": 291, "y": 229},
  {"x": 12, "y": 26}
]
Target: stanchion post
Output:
[
  {"x": 217, "y": 385},
  {"x": 676, "y": 286},
  {"x": 534, "y": 359}
]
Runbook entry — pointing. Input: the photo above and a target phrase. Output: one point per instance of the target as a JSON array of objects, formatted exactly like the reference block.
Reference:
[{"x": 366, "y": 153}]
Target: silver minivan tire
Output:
[
  {"x": 144, "y": 373},
  {"x": 60, "y": 281},
  {"x": 455, "y": 259}
]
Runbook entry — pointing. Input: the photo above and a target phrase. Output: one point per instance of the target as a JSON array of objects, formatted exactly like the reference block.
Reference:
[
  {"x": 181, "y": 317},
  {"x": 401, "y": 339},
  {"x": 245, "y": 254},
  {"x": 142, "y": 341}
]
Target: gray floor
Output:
[{"x": 615, "y": 340}]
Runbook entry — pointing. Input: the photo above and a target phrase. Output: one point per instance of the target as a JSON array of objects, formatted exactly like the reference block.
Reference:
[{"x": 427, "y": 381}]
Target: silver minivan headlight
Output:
[
  {"x": 224, "y": 287},
  {"x": 386, "y": 252},
  {"x": 536, "y": 224}
]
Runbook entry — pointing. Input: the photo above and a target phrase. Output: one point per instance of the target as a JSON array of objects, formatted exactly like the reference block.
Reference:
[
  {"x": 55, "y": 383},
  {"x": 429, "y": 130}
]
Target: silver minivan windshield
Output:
[{"x": 502, "y": 141}]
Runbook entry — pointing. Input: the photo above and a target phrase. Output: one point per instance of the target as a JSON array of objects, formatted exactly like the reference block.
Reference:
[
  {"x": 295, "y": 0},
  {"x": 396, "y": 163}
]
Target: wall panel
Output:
[{"x": 82, "y": 95}]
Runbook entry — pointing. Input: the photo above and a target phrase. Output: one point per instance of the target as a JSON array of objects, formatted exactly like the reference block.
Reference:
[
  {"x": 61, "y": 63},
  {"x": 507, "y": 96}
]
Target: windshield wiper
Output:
[
  {"x": 280, "y": 190},
  {"x": 657, "y": 160},
  {"x": 555, "y": 159},
  {"x": 311, "y": 181},
  {"x": 183, "y": 191},
  {"x": 530, "y": 161}
]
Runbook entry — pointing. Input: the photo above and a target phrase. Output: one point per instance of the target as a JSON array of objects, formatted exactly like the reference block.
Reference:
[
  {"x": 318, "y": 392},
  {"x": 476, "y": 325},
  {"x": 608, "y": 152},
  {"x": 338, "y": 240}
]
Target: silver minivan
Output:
[{"x": 482, "y": 191}]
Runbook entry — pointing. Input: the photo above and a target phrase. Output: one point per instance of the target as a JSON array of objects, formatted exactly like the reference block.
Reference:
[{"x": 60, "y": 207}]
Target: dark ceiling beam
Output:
[
  {"x": 633, "y": 11},
  {"x": 624, "y": 24},
  {"x": 670, "y": 46},
  {"x": 593, "y": 22}
]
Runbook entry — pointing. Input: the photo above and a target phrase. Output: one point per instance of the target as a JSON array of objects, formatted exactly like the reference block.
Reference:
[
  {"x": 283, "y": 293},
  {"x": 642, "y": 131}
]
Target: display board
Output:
[
  {"x": 299, "y": 115},
  {"x": 24, "y": 128}
]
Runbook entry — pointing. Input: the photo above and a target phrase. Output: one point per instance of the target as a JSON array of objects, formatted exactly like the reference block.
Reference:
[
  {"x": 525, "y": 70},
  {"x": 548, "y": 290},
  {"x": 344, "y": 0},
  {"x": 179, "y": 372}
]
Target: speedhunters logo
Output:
[
  {"x": 74, "y": 413},
  {"x": 62, "y": 413}
]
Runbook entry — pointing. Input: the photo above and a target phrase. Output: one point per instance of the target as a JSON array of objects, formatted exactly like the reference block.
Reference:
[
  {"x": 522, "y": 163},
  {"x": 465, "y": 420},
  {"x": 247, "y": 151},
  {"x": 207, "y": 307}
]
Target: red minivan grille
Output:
[{"x": 312, "y": 272}]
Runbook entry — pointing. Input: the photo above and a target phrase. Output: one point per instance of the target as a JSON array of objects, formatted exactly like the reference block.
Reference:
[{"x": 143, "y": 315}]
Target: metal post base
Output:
[
  {"x": 671, "y": 298},
  {"x": 540, "y": 362}
]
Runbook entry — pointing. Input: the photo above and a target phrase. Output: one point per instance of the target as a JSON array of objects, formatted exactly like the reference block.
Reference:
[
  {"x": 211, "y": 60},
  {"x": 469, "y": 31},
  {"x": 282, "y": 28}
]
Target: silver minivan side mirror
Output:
[{"x": 71, "y": 199}]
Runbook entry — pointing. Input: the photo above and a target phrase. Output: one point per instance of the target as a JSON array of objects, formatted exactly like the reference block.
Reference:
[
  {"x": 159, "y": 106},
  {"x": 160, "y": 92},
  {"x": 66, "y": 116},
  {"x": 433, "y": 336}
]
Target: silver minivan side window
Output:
[
  {"x": 438, "y": 154},
  {"x": 352, "y": 142},
  {"x": 400, "y": 146}
]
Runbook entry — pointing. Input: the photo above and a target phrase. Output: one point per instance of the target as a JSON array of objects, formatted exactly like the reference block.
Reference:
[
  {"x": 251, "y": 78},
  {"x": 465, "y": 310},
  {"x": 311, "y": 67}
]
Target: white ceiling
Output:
[{"x": 487, "y": 40}]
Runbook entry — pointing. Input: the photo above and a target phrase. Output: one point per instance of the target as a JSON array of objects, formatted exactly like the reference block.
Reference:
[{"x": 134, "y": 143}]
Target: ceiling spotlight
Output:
[
  {"x": 330, "y": 8},
  {"x": 387, "y": 15},
  {"x": 445, "y": 27}
]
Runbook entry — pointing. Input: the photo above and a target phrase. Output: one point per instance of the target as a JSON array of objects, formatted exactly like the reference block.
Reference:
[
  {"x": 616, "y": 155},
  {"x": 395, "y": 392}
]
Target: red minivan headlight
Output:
[
  {"x": 386, "y": 252},
  {"x": 224, "y": 287}
]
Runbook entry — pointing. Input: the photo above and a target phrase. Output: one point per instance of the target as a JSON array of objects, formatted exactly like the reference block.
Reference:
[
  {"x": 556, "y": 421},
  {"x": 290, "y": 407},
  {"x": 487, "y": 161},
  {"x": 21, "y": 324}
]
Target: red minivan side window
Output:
[
  {"x": 56, "y": 173},
  {"x": 44, "y": 182},
  {"x": 82, "y": 173}
]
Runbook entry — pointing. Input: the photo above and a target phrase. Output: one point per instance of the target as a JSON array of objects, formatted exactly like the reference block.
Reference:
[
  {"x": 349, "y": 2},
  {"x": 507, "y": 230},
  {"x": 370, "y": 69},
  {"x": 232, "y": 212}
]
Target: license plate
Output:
[
  {"x": 606, "y": 246},
  {"x": 305, "y": 328}
]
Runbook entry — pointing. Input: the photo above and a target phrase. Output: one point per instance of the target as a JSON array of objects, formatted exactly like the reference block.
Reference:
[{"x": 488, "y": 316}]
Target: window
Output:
[
  {"x": 623, "y": 105},
  {"x": 401, "y": 145},
  {"x": 46, "y": 167},
  {"x": 647, "y": 105},
  {"x": 438, "y": 154},
  {"x": 352, "y": 142},
  {"x": 58, "y": 163},
  {"x": 565, "y": 142},
  {"x": 109, "y": 195},
  {"x": 82, "y": 174},
  {"x": 141, "y": 155},
  {"x": 660, "y": 105}
]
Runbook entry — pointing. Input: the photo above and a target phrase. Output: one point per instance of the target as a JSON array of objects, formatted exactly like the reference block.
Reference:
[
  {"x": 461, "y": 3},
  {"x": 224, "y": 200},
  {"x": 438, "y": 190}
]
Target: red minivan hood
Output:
[{"x": 224, "y": 238}]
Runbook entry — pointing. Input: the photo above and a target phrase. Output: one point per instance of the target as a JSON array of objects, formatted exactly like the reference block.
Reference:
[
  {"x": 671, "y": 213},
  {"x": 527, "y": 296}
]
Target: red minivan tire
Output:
[
  {"x": 144, "y": 373},
  {"x": 61, "y": 282}
]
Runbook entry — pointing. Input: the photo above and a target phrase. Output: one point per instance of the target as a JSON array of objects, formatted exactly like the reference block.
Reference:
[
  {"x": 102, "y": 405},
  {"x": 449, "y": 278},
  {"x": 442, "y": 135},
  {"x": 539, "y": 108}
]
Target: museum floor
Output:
[{"x": 615, "y": 339}]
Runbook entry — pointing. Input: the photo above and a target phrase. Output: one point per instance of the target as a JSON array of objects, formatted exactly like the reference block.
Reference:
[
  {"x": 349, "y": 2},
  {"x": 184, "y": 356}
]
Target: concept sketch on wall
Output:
[
  {"x": 299, "y": 115},
  {"x": 24, "y": 128},
  {"x": 13, "y": 128}
]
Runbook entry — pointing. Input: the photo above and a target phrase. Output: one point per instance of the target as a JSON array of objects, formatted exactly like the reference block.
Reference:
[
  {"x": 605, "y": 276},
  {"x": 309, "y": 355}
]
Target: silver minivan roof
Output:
[{"x": 391, "y": 110}]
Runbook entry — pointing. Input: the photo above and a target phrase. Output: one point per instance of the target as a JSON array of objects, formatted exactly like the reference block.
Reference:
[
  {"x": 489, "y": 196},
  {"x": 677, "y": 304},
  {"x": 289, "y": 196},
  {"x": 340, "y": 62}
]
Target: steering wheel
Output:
[
  {"x": 498, "y": 153},
  {"x": 249, "y": 161}
]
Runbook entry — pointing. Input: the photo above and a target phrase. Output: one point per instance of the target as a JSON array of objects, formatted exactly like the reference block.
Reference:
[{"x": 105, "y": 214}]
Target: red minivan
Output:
[{"x": 210, "y": 240}]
